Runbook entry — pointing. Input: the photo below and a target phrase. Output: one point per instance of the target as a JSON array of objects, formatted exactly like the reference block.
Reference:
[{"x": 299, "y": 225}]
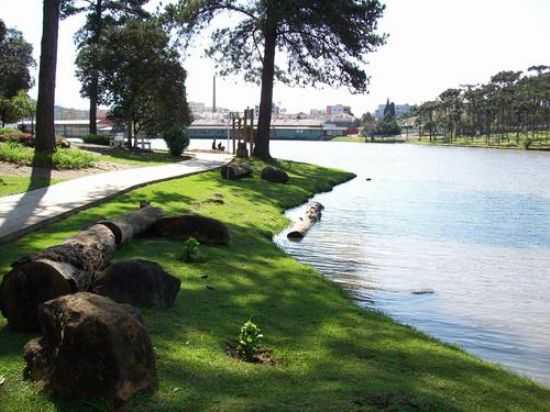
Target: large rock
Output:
[
  {"x": 91, "y": 347},
  {"x": 206, "y": 230},
  {"x": 272, "y": 174},
  {"x": 138, "y": 282},
  {"x": 235, "y": 171}
]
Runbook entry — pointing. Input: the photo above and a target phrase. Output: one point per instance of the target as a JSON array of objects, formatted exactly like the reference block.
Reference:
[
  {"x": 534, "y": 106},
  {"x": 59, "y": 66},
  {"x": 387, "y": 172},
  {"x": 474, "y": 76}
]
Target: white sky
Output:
[{"x": 433, "y": 45}]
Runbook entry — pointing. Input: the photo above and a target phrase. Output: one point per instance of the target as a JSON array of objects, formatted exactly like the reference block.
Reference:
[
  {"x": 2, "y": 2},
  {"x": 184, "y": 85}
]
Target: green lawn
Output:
[
  {"x": 10, "y": 185},
  {"x": 505, "y": 141},
  {"x": 331, "y": 355},
  {"x": 351, "y": 139},
  {"x": 123, "y": 156}
]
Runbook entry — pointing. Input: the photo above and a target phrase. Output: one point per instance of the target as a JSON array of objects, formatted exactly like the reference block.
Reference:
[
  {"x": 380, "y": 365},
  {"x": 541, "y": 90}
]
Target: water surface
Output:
[{"x": 472, "y": 225}]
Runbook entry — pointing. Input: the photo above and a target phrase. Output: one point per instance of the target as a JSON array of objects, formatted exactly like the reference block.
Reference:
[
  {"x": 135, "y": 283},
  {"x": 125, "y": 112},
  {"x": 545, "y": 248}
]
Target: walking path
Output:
[{"x": 25, "y": 212}]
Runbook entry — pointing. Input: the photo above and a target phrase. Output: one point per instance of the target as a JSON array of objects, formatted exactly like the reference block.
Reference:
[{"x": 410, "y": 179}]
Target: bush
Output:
[
  {"x": 97, "y": 139},
  {"x": 526, "y": 143},
  {"x": 249, "y": 340},
  {"x": 62, "y": 159},
  {"x": 14, "y": 135},
  {"x": 177, "y": 141},
  {"x": 191, "y": 251}
]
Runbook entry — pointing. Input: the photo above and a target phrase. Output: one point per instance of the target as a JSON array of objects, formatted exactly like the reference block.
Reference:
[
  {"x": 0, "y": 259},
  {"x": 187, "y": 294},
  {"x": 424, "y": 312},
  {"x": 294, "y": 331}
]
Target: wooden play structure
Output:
[{"x": 243, "y": 134}]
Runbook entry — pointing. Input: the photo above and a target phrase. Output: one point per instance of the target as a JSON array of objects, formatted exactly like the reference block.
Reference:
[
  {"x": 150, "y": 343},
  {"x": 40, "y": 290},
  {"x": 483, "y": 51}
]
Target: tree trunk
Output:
[
  {"x": 93, "y": 104},
  {"x": 261, "y": 148},
  {"x": 45, "y": 129},
  {"x": 128, "y": 226},
  {"x": 95, "y": 75},
  {"x": 57, "y": 271},
  {"x": 301, "y": 227}
]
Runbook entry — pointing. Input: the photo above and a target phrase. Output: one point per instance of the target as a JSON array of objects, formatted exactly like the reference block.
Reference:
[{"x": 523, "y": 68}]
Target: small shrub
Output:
[
  {"x": 62, "y": 159},
  {"x": 14, "y": 135},
  {"x": 191, "y": 251},
  {"x": 97, "y": 139},
  {"x": 177, "y": 141},
  {"x": 526, "y": 143},
  {"x": 249, "y": 340}
]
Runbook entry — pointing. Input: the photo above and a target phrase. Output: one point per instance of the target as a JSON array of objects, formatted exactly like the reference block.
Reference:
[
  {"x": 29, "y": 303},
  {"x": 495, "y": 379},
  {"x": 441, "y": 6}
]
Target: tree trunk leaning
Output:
[
  {"x": 130, "y": 225},
  {"x": 57, "y": 271},
  {"x": 302, "y": 226}
]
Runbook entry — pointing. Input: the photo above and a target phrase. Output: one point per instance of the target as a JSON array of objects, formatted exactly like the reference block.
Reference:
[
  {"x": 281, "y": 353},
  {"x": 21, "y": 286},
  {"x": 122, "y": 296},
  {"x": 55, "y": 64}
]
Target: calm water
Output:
[{"x": 473, "y": 225}]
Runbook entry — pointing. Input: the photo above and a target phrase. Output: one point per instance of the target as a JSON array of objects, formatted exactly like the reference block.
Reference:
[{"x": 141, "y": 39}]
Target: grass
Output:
[
  {"x": 331, "y": 355},
  {"x": 135, "y": 158},
  {"x": 505, "y": 141},
  {"x": 10, "y": 185},
  {"x": 350, "y": 139},
  {"x": 62, "y": 158}
]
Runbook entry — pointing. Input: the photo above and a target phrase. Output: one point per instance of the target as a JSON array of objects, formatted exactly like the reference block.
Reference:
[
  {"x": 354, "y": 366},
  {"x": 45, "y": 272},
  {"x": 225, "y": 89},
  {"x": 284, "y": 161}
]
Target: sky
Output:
[{"x": 432, "y": 45}]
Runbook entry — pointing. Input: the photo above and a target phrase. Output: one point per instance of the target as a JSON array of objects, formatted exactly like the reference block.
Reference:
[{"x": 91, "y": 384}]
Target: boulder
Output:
[
  {"x": 206, "y": 230},
  {"x": 236, "y": 171},
  {"x": 91, "y": 347},
  {"x": 138, "y": 282},
  {"x": 272, "y": 174}
]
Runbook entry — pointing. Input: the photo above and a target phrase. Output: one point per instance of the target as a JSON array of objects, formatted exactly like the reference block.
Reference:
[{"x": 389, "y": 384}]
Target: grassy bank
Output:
[
  {"x": 10, "y": 185},
  {"x": 331, "y": 355},
  {"x": 505, "y": 141},
  {"x": 350, "y": 139}
]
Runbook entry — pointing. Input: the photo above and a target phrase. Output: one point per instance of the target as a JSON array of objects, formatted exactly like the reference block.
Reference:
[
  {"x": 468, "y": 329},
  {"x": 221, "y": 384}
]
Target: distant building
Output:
[
  {"x": 338, "y": 109},
  {"x": 197, "y": 107}
]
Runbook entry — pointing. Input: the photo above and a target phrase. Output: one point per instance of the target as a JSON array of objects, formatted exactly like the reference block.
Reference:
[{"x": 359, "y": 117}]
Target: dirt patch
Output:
[
  {"x": 263, "y": 356},
  {"x": 10, "y": 169}
]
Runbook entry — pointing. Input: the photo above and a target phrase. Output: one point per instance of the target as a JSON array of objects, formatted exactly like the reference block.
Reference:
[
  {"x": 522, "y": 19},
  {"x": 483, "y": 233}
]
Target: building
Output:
[
  {"x": 338, "y": 109},
  {"x": 72, "y": 128}
]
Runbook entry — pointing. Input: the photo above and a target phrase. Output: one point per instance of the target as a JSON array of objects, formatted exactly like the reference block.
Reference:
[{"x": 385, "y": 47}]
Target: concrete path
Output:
[{"x": 25, "y": 212}]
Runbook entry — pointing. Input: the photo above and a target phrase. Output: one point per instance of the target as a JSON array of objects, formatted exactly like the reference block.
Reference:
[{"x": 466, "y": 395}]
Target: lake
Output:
[{"x": 470, "y": 225}]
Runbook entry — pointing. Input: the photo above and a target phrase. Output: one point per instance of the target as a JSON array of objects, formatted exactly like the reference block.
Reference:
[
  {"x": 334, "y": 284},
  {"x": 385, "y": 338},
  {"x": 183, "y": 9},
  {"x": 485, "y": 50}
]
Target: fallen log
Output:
[
  {"x": 206, "y": 230},
  {"x": 235, "y": 171},
  {"x": 130, "y": 225},
  {"x": 301, "y": 227},
  {"x": 54, "y": 272}
]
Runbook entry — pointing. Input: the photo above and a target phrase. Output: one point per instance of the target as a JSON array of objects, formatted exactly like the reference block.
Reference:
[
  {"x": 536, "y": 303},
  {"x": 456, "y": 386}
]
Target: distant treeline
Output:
[{"x": 512, "y": 106}]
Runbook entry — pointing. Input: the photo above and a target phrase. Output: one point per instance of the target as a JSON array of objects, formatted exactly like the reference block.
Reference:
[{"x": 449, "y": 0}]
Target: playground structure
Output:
[{"x": 243, "y": 134}]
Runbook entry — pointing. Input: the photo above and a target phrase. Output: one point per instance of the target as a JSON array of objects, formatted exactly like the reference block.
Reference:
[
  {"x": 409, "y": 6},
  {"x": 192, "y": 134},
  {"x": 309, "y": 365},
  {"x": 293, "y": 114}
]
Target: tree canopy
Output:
[
  {"x": 319, "y": 42},
  {"x": 142, "y": 78},
  {"x": 100, "y": 14}
]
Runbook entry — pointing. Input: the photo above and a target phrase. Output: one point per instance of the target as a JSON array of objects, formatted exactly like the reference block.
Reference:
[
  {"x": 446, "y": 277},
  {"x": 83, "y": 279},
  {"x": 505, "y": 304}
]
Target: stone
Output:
[
  {"x": 272, "y": 174},
  {"x": 91, "y": 347},
  {"x": 206, "y": 230},
  {"x": 138, "y": 282}
]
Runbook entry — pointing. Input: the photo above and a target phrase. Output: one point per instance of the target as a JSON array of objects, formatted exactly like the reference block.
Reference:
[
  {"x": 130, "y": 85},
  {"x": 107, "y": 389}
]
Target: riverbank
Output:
[
  {"x": 480, "y": 143},
  {"x": 331, "y": 355}
]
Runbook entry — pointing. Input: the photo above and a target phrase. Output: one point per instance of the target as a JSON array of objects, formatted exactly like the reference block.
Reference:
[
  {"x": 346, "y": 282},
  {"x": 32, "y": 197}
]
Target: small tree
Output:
[
  {"x": 319, "y": 42},
  {"x": 142, "y": 79}
]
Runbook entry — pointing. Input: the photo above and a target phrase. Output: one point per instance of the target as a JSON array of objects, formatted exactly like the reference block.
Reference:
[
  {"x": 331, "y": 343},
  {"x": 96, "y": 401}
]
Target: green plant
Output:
[
  {"x": 191, "y": 251},
  {"x": 526, "y": 143},
  {"x": 13, "y": 152},
  {"x": 177, "y": 140},
  {"x": 101, "y": 140},
  {"x": 249, "y": 340}
]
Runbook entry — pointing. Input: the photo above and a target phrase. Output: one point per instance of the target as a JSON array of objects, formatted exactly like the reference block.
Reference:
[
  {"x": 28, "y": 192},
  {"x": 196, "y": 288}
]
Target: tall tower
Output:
[{"x": 214, "y": 94}]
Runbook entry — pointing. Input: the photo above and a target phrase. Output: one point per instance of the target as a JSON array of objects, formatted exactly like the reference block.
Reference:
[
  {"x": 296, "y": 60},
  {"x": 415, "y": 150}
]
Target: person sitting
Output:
[{"x": 220, "y": 147}]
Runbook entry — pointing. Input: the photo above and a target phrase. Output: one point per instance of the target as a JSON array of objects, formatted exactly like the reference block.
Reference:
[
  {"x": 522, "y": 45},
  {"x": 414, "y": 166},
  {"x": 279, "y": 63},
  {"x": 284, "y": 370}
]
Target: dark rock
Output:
[
  {"x": 272, "y": 174},
  {"x": 206, "y": 230},
  {"x": 138, "y": 282},
  {"x": 235, "y": 171},
  {"x": 91, "y": 347}
]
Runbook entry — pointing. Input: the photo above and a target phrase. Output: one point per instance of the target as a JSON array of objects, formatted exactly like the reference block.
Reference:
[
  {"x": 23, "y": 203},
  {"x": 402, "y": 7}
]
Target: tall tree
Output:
[
  {"x": 99, "y": 15},
  {"x": 45, "y": 129},
  {"x": 142, "y": 79},
  {"x": 15, "y": 63},
  {"x": 319, "y": 42}
]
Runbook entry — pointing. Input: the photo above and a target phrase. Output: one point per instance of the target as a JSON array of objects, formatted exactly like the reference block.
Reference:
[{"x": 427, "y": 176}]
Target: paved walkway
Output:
[{"x": 25, "y": 212}]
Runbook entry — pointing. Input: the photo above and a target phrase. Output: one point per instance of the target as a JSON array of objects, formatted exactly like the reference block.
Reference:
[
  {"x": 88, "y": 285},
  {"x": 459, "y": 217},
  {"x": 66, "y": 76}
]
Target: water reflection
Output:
[{"x": 471, "y": 225}]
